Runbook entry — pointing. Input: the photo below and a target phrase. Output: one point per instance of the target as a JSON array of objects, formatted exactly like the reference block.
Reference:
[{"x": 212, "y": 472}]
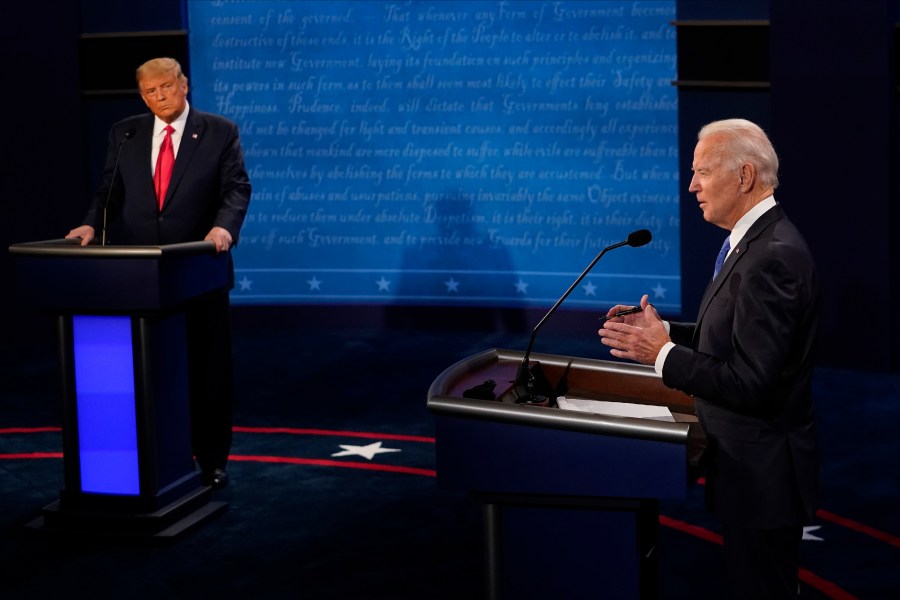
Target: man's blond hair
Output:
[{"x": 158, "y": 67}]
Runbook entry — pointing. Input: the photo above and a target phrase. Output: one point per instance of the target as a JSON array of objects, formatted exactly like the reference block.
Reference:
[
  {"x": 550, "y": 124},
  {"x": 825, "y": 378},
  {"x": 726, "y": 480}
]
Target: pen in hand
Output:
[{"x": 622, "y": 313}]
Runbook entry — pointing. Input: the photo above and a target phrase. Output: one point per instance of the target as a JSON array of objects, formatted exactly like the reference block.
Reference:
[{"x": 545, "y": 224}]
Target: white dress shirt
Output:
[{"x": 159, "y": 134}]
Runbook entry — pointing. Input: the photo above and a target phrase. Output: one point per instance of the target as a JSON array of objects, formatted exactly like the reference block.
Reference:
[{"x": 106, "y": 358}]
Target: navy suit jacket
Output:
[
  {"x": 748, "y": 361},
  {"x": 209, "y": 185}
]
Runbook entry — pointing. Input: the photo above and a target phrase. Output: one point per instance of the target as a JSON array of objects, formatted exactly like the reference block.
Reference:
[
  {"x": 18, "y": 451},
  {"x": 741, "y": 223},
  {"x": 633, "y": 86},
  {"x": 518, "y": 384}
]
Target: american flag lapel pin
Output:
[{"x": 194, "y": 136}]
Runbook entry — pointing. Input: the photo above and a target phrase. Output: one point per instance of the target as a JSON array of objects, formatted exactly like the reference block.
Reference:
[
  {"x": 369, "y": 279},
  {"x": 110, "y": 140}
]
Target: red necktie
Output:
[{"x": 164, "y": 163}]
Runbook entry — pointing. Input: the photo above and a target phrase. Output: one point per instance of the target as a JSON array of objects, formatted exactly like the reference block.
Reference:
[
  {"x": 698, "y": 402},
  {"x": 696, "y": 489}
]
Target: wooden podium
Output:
[
  {"x": 570, "y": 498},
  {"x": 128, "y": 465}
]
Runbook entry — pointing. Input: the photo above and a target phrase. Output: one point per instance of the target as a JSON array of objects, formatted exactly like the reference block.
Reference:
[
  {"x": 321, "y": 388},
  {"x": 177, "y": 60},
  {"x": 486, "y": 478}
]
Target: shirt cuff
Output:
[{"x": 661, "y": 357}]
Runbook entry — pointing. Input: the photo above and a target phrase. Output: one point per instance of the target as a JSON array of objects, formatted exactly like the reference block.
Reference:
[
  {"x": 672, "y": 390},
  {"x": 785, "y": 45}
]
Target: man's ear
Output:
[{"x": 747, "y": 177}]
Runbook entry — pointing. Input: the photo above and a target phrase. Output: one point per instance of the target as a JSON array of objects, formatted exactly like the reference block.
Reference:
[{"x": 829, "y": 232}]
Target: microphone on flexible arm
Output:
[
  {"x": 525, "y": 376},
  {"x": 128, "y": 135}
]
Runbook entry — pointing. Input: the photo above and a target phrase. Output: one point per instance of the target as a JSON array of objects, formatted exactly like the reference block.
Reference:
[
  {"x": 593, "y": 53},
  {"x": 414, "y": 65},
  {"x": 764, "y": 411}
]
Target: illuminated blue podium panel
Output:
[
  {"x": 570, "y": 498},
  {"x": 129, "y": 469}
]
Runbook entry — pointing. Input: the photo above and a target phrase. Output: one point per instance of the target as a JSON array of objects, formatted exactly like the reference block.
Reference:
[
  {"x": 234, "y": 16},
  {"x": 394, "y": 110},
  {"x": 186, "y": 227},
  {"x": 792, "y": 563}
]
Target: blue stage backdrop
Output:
[{"x": 451, "y": 153}]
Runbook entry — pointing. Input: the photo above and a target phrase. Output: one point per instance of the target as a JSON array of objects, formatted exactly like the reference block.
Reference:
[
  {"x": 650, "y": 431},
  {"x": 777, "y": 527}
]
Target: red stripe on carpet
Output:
[
  {"x": 826, "y": 587},
  {"x": 858, "y": 527},
  {"x": 25, "y": 455},
  {"x": 334, "y": 463},
  {"x": 269, "y": 459},
  {"x": 28, "y": 429},
  {"x": 359, "y": 434},
  {"x": 694, "y": 530},
  {"x": 270, "y": 430}
]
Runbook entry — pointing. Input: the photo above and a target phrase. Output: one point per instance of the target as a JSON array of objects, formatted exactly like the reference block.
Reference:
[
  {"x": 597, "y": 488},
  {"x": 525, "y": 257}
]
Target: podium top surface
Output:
[
  {"x": 587, "y": 378},
  {"x": 71, "y": 248},
  {"x": 64, "y": 276}
]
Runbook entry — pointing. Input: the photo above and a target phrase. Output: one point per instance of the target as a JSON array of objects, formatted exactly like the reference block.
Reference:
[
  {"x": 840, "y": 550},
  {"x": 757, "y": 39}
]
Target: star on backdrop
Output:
[
  {"x": 314, "y": 284},
  {"x": 521, "y": 287},
  {"x": 368, "y": 452},
  {"x": 590, "y": 289},
  {"x": 659, "y": 291},
  {"x": 452, "y": 285},
  {"x": 245, "y": 284},
  {"x": 383, "y": 284}
]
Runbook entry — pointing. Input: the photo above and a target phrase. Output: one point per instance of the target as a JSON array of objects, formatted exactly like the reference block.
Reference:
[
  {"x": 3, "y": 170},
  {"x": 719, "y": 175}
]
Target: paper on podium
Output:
[{"x": 616, "y": 409}]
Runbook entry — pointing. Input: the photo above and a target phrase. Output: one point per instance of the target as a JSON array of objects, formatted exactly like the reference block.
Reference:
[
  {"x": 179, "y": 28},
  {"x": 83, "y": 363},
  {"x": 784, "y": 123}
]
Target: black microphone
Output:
[
  {"x": 128, "y": 135},
  {"x": 525, "y": 378}
]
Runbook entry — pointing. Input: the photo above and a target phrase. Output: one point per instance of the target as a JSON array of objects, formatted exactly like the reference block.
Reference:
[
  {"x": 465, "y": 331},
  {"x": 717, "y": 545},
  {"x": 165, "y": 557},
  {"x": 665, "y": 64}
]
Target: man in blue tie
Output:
[{"x": 748, "y": 362}]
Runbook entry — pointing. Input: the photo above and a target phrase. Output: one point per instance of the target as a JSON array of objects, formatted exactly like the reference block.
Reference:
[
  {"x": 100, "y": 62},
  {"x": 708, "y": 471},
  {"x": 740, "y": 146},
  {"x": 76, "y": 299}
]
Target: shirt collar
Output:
[{"x": 744, "y": 223}]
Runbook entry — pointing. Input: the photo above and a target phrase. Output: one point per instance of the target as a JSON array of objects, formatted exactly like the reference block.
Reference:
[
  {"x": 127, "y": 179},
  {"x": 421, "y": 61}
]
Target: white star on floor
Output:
[
  {"x": 314, "y": 284},
  {"x": 383, "y": 284},
  {"x": 368, "y": 452},
  {"x": 452, "y": 285},
  {"x": 245, "y": 284},
  {"x": 807, "y": 533},
  {"x": 590, "y": 289}
]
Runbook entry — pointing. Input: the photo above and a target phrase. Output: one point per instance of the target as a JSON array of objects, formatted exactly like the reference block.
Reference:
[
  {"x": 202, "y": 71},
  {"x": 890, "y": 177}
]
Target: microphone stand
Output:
[
  {"x": 112, "y": 182},
  {"x": 525, "y": 376}
]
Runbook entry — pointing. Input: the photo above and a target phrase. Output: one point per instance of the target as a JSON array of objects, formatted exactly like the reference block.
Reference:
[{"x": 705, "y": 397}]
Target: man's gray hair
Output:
[{"x": 746, "y": 142}]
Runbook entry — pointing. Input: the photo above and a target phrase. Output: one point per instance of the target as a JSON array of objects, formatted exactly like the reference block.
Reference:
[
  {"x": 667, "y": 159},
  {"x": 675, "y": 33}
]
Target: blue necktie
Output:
[{"x": 720, "y": 260}]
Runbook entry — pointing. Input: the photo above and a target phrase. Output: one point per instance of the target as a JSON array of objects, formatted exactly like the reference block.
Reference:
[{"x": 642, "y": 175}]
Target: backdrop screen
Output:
[{"x": 457, "y": 152}]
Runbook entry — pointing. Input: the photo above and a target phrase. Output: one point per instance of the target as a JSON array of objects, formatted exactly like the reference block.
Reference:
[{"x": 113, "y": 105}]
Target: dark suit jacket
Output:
[
  {"x": 748, "y": 361},
  {"x": 209, "y": 185}
]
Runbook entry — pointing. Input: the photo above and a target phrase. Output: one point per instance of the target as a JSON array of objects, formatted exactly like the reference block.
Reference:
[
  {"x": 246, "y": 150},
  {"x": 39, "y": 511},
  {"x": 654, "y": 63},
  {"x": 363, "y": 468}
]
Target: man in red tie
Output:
[{"x": 177, "y": 175}]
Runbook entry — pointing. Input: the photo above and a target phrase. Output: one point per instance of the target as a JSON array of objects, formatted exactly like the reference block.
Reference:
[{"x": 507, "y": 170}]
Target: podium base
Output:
[{"x": 165, "y": 524}]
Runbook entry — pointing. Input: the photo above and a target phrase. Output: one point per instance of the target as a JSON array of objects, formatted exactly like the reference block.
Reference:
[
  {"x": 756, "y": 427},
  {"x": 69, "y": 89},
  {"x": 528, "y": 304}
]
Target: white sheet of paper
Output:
[{"x": 616, "y": 409}]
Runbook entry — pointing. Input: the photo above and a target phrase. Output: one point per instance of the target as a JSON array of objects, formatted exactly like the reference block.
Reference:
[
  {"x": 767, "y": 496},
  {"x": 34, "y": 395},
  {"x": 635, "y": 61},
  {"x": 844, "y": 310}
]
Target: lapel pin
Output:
[{"x": 194, "y": 135}]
